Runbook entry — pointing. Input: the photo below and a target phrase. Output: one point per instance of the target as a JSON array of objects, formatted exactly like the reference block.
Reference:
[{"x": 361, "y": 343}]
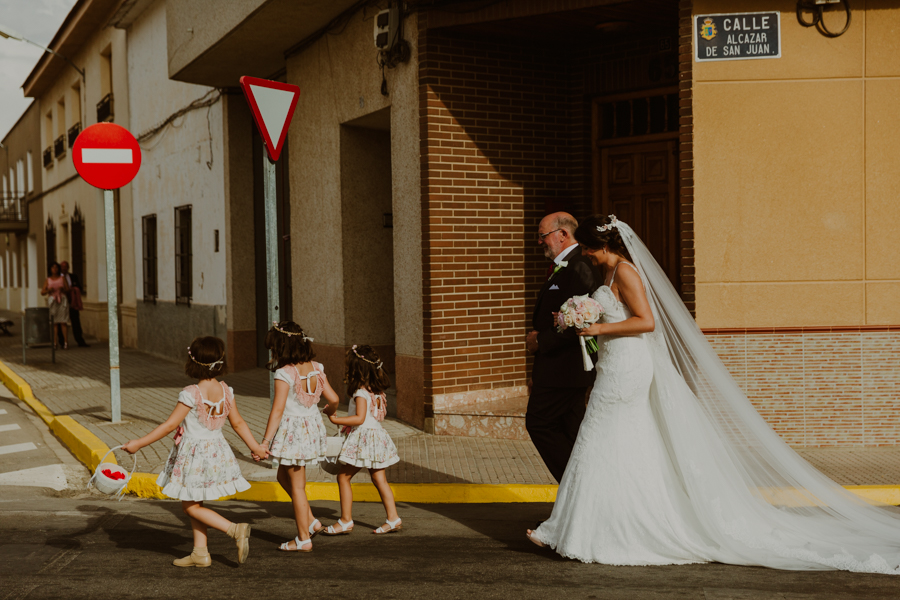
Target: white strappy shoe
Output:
[
  {"x": 395, "y": 526},
  {"x": 299, "y": 544},
  {"x": 312, "y": 528},
  {"x": 346, "y": 528}
]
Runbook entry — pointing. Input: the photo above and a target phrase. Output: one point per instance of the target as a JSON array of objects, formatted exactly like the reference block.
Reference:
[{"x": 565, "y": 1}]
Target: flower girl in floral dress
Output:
[
  {"x": 295, "y": 435},
  {"x": 201, "y": 465},
  {"x": 368, "y": 444}
]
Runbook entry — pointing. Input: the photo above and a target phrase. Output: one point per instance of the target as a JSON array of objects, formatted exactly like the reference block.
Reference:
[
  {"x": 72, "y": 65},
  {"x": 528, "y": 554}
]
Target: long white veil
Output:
[{"x": 755, "y": 499}]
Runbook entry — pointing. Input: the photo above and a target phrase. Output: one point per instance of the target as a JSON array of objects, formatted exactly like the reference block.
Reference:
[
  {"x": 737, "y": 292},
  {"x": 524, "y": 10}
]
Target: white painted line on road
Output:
[
  {"x": 17, "y": 448},
  {"x": 11, "y": 427},
  {"x": 51, "y": 476},
  {"x": 120, "y": 156},
  {"x": 2, "y": 411}
]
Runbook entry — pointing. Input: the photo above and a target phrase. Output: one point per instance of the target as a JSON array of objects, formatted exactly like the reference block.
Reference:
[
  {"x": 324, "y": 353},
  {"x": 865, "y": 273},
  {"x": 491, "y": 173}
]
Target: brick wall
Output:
[
  {"x": 505, "y": 138},
  {"x": 818, "y": 386},
  {"x": 495, "y": 152},
  {"x": 686, "y": 154}
]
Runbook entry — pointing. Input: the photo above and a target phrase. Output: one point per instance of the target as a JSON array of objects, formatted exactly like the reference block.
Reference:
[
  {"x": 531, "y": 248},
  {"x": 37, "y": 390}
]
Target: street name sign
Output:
[
  {"x": 273, "y": 106},
  {"x": 106, "y": 156},
  {"x": 737, "y": 36}
]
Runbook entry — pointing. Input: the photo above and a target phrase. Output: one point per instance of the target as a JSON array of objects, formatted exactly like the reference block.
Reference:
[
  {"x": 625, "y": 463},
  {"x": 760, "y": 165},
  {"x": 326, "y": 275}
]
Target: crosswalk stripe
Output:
[
  {"x": 17, "y": 448},
  {"x": 51, "y": 476},
  {"x": 10, "y": 427}
]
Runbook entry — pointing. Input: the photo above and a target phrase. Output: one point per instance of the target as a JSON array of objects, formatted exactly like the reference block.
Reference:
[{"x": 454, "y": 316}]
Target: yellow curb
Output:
[
  {"x": 143, "y": 485},
  {"x": 89, "y": 449},
  {"x": 86, "y": 446}
]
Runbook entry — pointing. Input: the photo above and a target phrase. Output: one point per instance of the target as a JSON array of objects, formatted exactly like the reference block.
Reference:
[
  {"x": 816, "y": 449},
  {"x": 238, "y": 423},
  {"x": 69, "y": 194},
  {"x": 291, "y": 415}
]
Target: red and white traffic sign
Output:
[
  {"x": 107, "y": 156},
  {"x": 273, "y": 106}
]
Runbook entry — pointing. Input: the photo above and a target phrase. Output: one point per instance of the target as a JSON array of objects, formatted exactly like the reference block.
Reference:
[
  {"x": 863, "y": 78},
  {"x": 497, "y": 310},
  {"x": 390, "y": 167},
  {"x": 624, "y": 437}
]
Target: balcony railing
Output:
[
  {"x": 48, "y": 158},
  {"x": 12, "y": 210},
  {"x": 74, "y": 130},
  {"x": 59, "y": 147},
  {"x": 105, "y": 109}
]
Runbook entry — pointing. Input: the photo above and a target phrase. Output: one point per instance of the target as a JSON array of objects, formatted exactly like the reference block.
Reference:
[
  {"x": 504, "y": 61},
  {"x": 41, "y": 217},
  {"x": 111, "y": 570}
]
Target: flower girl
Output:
[
  {"x": 201, "y": 465},
  {"x": 295, "y": 434},
  {"x": 368, "y": 444}
]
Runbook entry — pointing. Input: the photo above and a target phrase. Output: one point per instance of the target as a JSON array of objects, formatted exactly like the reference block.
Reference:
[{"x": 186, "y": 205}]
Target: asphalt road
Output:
[{"x": 65, "y": 545}]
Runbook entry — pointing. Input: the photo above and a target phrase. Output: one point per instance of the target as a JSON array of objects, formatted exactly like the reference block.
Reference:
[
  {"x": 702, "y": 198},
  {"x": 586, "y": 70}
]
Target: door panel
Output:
[{"x": 638, "y": 184}]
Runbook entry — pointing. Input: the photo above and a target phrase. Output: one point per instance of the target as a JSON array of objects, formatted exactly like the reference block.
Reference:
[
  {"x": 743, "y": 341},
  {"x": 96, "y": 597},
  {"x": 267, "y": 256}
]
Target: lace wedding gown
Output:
[{"x": 672, "y": 465}]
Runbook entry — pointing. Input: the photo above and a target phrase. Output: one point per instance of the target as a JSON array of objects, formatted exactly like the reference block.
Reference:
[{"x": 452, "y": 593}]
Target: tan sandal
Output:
[
  {"x": 346, "y": 528},
  {"x": 530, "y": 535},
  {"x": 395, "y": 526},
  {"x": 240, "y": 533},
  {"x": 298, "y": 545}
]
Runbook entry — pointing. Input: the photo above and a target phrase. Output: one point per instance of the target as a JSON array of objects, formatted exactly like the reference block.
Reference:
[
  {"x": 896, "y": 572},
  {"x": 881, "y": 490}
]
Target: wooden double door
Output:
[{"x": 639, "y": 184}]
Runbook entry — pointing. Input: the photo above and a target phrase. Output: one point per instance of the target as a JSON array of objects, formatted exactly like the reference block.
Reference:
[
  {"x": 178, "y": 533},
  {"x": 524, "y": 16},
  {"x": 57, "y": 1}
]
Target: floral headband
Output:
[
  {"x": 290, "y": 333},
  {"x": 378, "y": 364},
  {"x": 213, "y": 366},
  {"x": 613, "y": 222}
]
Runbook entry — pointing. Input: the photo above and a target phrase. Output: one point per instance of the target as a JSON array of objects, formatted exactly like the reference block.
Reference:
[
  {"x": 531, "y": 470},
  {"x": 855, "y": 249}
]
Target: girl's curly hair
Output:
[
  {"x": 288, "y": 349},
  {"x": 365, "y": 370}
]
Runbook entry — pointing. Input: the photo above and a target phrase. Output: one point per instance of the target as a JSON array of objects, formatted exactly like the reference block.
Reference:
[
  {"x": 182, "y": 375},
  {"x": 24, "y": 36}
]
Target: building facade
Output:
[
  {"x": 69, "y": 102},
  {"x": 414, "y": 177},
  {"x": 21, "y": 226},
  {"x": 178, "y": 220},
  {"x": 763, "y": 187}
]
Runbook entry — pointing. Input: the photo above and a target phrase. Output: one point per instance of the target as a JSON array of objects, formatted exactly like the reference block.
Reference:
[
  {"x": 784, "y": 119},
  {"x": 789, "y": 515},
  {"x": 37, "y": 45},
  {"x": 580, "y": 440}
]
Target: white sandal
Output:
[
  {"x": 312, "y": 528},
  {"x": 298, "y": 543},
  {"x": 346, "y": 528},
  {"x": 395, "y": 526}
]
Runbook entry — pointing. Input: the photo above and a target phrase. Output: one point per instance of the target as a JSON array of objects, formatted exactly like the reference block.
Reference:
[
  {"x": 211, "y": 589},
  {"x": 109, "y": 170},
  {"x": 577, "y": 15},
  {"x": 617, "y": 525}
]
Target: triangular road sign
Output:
[{"x": 273, "y": 105}]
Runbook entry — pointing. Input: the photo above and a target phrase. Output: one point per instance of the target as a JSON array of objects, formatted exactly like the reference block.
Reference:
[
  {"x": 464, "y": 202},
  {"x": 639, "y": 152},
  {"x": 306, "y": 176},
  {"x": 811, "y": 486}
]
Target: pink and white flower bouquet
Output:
[{"x": 580, "y": 312}]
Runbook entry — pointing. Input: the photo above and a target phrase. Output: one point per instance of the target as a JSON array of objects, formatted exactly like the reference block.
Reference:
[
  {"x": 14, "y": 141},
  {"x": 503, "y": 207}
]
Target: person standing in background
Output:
[{"x": 75, "y": 304}]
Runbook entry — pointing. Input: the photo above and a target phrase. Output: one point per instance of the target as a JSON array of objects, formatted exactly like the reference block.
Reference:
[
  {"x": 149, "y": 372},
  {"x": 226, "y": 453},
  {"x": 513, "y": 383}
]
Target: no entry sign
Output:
[{"x": 106, "y": 156}]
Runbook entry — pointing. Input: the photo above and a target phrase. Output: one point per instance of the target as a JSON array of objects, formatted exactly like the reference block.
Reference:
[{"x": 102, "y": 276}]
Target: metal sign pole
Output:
[
  {"x": 270, "y": 191},
  {"x": 112, "y": 301}
]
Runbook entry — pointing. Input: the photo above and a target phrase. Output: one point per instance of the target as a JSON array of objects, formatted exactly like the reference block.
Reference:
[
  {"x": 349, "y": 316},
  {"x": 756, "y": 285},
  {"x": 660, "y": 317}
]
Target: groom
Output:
[{"x": 559, "y": 382}]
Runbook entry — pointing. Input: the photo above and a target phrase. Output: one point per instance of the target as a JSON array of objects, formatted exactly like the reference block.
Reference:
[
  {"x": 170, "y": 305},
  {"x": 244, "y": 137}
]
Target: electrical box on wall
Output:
[{"x": 387, "y": 28}]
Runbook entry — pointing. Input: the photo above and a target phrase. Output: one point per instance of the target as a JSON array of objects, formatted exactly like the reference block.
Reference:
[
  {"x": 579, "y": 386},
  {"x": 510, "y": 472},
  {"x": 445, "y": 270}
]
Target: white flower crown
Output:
[{"x": 614, "y": 222}]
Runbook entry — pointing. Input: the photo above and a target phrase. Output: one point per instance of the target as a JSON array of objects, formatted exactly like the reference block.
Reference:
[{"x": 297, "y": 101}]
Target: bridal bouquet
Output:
[{"x": 580, "y": 312}]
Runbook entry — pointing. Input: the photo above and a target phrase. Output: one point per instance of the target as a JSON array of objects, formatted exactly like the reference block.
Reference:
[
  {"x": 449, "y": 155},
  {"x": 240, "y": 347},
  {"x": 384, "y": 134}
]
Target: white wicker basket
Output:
[{"x": 108, "y": 485}]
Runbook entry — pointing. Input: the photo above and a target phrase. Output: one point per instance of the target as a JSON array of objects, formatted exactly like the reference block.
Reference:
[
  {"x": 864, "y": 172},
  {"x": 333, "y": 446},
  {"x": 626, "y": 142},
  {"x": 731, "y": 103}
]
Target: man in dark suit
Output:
[
  {"x": 559, "y": 382},
  {"x": 75, "y": 305}
]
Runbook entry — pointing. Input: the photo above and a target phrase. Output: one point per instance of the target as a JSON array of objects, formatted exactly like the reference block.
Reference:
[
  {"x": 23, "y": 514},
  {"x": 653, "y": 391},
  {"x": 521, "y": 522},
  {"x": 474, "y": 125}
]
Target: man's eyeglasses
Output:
[{"x": 541, "y": 236}]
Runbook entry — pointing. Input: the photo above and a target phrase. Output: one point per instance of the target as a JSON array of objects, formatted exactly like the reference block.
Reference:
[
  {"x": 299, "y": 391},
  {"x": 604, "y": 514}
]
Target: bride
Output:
[{"x": 673, "y": 465}]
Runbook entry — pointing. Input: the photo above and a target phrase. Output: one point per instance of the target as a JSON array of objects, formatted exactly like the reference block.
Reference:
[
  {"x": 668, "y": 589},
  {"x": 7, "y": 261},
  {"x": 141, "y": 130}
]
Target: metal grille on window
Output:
[
  {"x": 78, "y": 246},
  {"x": 636, "y": 117},
  {"x": 50, "y": 237},
  {"x": 105, "y": 109},
  {"x": 183, "y": 256},
  {"x": 149, "y": 253}
]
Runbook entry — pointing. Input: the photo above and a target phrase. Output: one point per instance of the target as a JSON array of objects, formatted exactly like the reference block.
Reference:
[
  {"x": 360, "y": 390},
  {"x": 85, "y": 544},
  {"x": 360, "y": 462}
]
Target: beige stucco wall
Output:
[
  {"x": 796, "y": 174},
  {"x": 339, "y": 83},
  {"x": 182, "y": 164}
]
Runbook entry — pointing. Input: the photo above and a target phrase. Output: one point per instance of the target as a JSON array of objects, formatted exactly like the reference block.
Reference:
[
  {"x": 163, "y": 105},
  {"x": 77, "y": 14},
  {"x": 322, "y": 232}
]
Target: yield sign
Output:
[
  {"x": 273, "y": 105},
  {"x": 106, "y": 156}
]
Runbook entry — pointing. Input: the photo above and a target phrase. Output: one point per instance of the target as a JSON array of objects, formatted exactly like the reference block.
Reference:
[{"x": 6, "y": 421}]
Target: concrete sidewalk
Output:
[{"x": 77, "y": 385}]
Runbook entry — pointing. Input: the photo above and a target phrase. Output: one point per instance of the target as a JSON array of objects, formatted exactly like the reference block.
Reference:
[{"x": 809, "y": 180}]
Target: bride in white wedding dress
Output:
[{"x": 673, "y": 465}]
